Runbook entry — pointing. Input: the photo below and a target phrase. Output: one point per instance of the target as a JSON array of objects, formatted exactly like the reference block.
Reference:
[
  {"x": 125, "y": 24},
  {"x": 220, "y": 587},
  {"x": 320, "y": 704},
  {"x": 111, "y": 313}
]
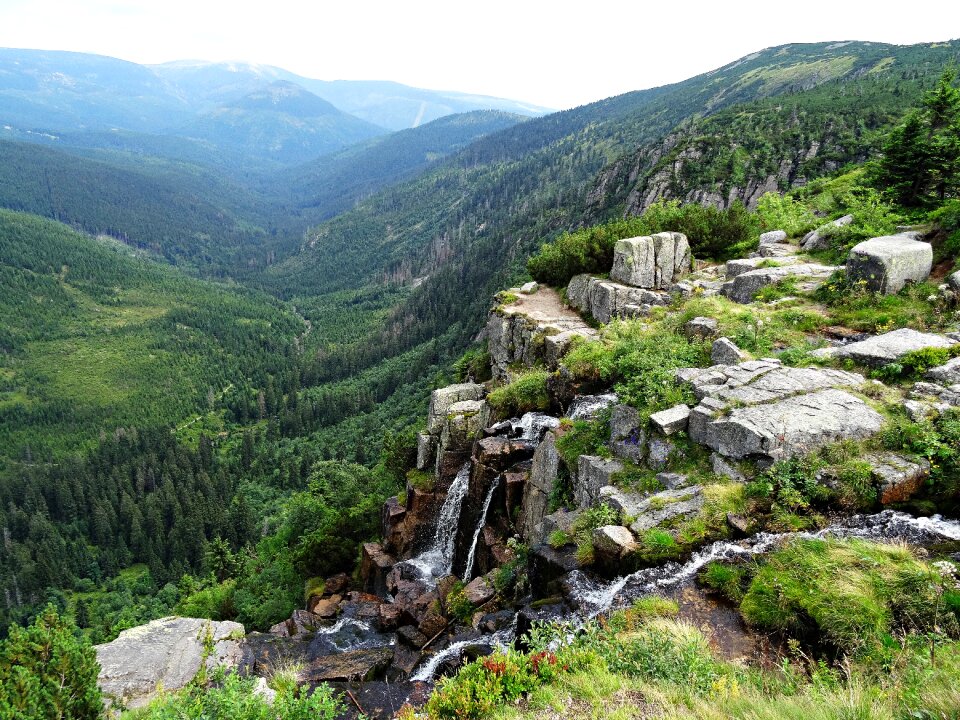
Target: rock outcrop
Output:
[
  {"x": 889, "y": 347},
  {"x": 165, "y": 654},
  {"x": 605, "y": 300},
  {"x": 819, "y": 239},
  {"x": 886, "y": 264},
  {"x": 654, "y": 510},
  {"x": 654, "y": 262},
  {"x": 745, "y": 265},
  {"x": 744, "y": 287}
]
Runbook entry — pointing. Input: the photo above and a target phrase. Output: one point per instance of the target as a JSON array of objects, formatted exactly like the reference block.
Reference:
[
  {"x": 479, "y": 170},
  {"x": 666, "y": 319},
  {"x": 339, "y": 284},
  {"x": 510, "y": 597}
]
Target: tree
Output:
[
  {"x": 921, "y": 158},
  {"x": 46, "y": 671}
]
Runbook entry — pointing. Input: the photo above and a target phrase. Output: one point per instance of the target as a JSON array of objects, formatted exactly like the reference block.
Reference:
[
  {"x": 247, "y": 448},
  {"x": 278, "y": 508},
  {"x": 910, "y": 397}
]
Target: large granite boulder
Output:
[
  {"x": 593, "y": 473},
  {"x": 443, "y": 399},
  {"x": 743, "y": 288},
  {"x": 651, "y": 261},
  {"x": 165, "y": 654},
  {"x": 773, "y": 237},
  {"x": 537, "y": 491},
  {"x": 375, "y": 565},
  {"x": 819, "y": 239},
  {"x": 948, "y": 373},
  {"x": 886, "y": 264},
  {"x": 887, "y": 348},
  {"x": 606, "y": 300}
]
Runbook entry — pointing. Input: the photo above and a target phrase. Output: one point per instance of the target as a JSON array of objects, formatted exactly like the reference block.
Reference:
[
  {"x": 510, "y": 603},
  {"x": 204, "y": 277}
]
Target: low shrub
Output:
[
  {"x": 527, "y": 392},
  {"x": 457, "y": 604},
  {"x": 783, "y": 212}
]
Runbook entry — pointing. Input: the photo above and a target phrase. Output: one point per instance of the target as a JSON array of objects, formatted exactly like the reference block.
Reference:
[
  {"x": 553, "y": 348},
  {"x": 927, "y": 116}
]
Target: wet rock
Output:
[
  {"x": 947, "y": 374},
  {"x": 701, "y": 328},
  {"x": 494, "y": 622},
  {"x": 819, "y": 239},
  {"x": 612, "y": 542},
  {"x": 375, "y": 564},
  {"x": 479, "y": 591},
  {"x": 889, "y": 347},
  {"x": 300, "y": 622},
  {"x": 898, "y": 477},
  {"x": 545, "y": 610},
  {"x": 445, "y": 586},
  {"x": 432, "y": 624},
  {"x": 389, "y": 616},
  {"x": 325, "y": 607},
  {"x": 886, "y": 264},
  {"x": 593, "y": 473},
  {"x": 589, "y": 407},
  {"x": 772, "y": 237},
  {"x": 547, "y": 567},
  {"x": 744, "y": 265},
  {"x": 411, "y": 637},
  {"x": 651, "y": 261},
  {"x": 336, "y": 584},
  {"x": 405, "y": 661},
  {"x": 671, "y": 420},
  {"x": 667, "y": 505},
  {"x": 443, "y": 399},
  {"x": 743, "y": 288},
  {"x": 783, "y": 428},
  {"x": 500, "y": 453},
  {"x": 166, "y": 653},
  {"x": 353, "y": 665},
  {"x": 537, "y": 491}
]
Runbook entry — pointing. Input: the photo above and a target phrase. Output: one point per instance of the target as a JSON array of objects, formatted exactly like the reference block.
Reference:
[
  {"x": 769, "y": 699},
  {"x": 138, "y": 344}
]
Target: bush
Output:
[
  {"x": 527, "y": 392},
  {"x": 457, "y": 604},
  {"x": 712, "y": 232},
  {"x": 782, "y": 212},
  {"x": 584, "y": 251}
]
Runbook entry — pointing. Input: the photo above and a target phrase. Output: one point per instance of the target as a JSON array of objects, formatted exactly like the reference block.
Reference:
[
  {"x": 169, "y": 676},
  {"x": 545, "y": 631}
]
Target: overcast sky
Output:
[{"x": 558, "y": 54}]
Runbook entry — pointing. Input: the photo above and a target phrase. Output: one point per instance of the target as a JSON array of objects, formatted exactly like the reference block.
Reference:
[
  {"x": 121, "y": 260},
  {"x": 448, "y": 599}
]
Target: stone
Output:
[
  {"x": 464, "y": 423},
  {"x": 761, "y": 381},
  {"x": 701, "y": 328},
  {"x": 659, "y": 450},
  {"x": 411, "y": 637},
  {"x": 740, "y": 523},
  {"x": 375, "y": 564},
  {"x": 936, "y": 399},
  {"x": 743, "y": 288},
  {"x": 562, "y": 520},
  {"x": 671, "y": 480},
  {"x": 819, "y": 239},
  {"x": 723, "y": 468},
  {"x": 627, "y": 438},
  {"x": 745, "y": 265},
  {"x": 433, "y": 622},
  {"x": 349, "y": 666},
  {"x": 426, "y": 451},
  {"x": 777, "y": 250},
  {"x": 336, "y": 584},
  {"x": 605, "y": 300},
  {"x": 651, "y": 261},
  {"x": 530, "y": 288},
  {"x": 165, "y": 654},
  {"x": 261, "y": 689},
  {"x": 898, "y": 477},
  {"x": 773, "y": 236},
  {"x": 671, "y": 420},
  {"x": 443, "y": 399},
  {"x": 953, "y": 281},
  {"x": 325, "y": 608},
  {"x": 538, "y": 489},
  {"x": 886, "y": 264},
  {"x": 300, "y": 623},
  {"x": 882, "y": 349},
  {"x": 389, "y": 616},
  {"x": 479, "y": 591},
  {"x": 613, "y": 542},
  {"x": 592, "y": 474},
  {"x": 783, "y": 428},
  {"x": 547, "y": 567},
  {"x": 725, "y": 352},
  {"x": 500, "y": 453},
  {"x": 947, "y": 374},
  {"x": 663, "y": 506},
  {"x": 589, "y": 407}
]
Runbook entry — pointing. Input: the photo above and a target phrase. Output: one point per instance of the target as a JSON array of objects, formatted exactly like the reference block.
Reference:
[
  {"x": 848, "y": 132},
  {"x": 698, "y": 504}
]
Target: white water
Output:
[
  {"x": 500, "y": 640},
  {"x": 532, "y": 426},
  {"x": 468, "y": 570},
  {"x": 597, "y": 597},
  {"x": 437, "y": 560}
]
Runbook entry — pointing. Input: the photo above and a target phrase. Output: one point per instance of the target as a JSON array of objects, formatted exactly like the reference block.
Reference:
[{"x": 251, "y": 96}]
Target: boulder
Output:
[
  {"x": 651, "y": 261},
  {"x": 593, "y": 473},
  {"x": 537, "y": 491},
  {"x": 659, "y": 450},
  {"x": 671, "y": 480},
  {"x": 443, "y": 399},
  {"x": 165, "y": 654},
  {"x": 606, "y": 300},
  {"x": 479, "y": 591},
  {"x": 723, "y": 468},
  {"x": 744, "y": 287},
  {"x": 819, "y": 239},
  {"x": 375, "y": 564},
  {"x": 947, "y": 374},
  {"x": 663, "y": 506},
  {"x": 464, "y": 423},
  {"x": 886, "y": 348},
  {"x": 886, "y": 264},
  {"x": 426, "y": 450},
  {"x": 953, "y": 281},
  {"x": 897, "y": 477},
  {"x": 349, "y": 666},
  {"x": 701, "y": 328},
  {"x": 530, "y": 288},
  {"x": 589, "y": 407},
  {"x": 773, "y": 236},
  {"x": 411, "y": 637},
  {"x": 627, "y": 438},
  {"x": 745, "y": 265},
  {"x": 671, "y": 420},
  {"x": 725, "y": 352},
  {"x": 783, "y": 428},
  {"x": 611, "y": 543},
  {"x": 547, "y": 567},
  {"x": 389, "y": 617},
  {"x": 325, "y": 607}
]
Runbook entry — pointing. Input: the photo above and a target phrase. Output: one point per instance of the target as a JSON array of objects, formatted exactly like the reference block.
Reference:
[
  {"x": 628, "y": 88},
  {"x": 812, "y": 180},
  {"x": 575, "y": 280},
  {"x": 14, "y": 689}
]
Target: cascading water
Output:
[
  {"x": 438, "y": 558},
  {"x": 532, "y": 426},
  {"x": 500, "y": 640},
  {"x": 468, "y": 570},
  {"x": 595, "y": 597}
]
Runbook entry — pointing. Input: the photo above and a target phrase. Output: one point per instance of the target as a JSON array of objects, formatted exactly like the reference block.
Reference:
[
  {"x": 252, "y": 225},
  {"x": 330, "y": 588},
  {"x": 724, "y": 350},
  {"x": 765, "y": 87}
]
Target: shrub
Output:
[
  {"x": 712, "y": 232},
  {"x": 782, "y": 212},
  {"x": 584, "y": 251},
  {"x": 584, "y": 437},
  {"x": 473, "y": 364},
  {"x": 526, "y": 393},
  {"x": 458, "y": 606}
]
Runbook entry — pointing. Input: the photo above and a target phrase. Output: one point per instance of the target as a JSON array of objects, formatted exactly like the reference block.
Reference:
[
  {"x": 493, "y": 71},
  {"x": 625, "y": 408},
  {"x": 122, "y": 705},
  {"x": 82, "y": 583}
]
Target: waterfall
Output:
[
  {"x": 595, "y": 597},
  {"x": 501, "y": 640},
  {"x": 437, "y": 560},
  {"x": 468, "y": 570}
]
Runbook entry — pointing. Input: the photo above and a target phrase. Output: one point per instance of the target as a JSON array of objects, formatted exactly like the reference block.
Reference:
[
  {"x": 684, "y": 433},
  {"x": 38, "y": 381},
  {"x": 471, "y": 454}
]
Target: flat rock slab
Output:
[
  {"x": 763, "y": 381},
  {"x": 744, "y": 287},
  {"x": 667, "y": 505},
  {"x": 671, "y": 420},
  {"x": 886, "y": 264},
  {"x": 948, "y": 373},
  {"x": 349, "y": 666},
  {"x": 775, "y": 250},
  {"x": 887, "y": 348},
  {"x": 783, "y": 428},
  {"x": 745, "y": 265},
  {"x": 165, "y": 653}
]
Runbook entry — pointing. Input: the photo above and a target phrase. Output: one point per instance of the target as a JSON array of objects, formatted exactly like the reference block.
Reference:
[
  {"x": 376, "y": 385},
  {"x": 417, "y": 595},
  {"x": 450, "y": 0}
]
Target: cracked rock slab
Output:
[
  {"x": 948, "y": 373},
  {"x": 886, "y": 348},
  {"x": 744, "y": 287}
]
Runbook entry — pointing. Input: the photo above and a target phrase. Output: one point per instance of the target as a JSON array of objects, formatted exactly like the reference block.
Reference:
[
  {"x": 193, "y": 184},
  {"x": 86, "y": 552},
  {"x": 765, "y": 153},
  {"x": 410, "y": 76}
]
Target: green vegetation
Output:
[{"x": 526, "y": 392}]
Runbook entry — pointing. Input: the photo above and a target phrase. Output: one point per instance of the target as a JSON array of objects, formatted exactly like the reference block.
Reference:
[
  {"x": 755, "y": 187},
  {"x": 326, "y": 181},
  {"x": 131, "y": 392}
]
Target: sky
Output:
[{"x": 556, "y": 54}]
